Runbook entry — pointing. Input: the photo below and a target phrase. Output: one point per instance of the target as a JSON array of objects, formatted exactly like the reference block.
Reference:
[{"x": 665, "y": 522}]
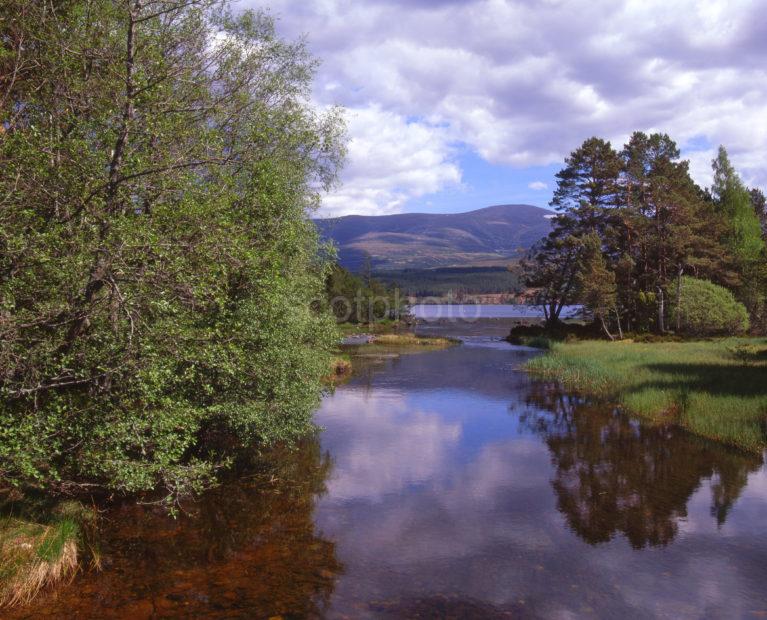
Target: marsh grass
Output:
[
  {"x": 37, "y": 555},
  {"x": 717, "y": 389},
  {"x": 411, "y": 340},
  {"x": 340, "y": 370}
]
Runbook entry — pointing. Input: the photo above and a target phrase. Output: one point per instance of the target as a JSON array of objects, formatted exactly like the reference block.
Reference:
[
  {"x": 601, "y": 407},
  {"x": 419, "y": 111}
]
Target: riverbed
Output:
[{"x": 451, "y": 484}]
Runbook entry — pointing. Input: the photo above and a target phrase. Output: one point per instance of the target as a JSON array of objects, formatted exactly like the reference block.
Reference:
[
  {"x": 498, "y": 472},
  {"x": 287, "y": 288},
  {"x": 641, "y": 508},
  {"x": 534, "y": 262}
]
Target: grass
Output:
[
  {"x": 411, "y": 340},
  {"x": 36, "y": 555},
  {"x": 717, "y": 389},
  {"x": 379, "y": 347},
  {"x": 536, "y": 342},
  {"x": 340, "y": 369}
]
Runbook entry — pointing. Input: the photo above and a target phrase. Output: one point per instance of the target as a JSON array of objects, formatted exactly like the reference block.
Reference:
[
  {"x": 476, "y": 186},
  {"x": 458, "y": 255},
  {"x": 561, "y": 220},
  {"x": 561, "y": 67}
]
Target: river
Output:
[{"x": 450, "y": 484}]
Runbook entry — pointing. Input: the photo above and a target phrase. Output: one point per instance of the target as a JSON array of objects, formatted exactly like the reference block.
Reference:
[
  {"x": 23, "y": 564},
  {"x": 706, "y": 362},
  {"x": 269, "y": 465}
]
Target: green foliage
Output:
[
  {"x": 705, "y": 308},
  {"x": 157, "y": 263},
  {"x": 596, "y": 283},
  {"x": 631, "y": 224},
  {"x": 734, "y": 200},
  {"x": 551, "y": 271},
  {"x": 362, "y": 299}
]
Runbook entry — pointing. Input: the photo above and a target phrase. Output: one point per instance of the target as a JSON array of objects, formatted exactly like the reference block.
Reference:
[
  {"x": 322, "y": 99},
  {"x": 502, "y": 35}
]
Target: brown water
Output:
[{"x": 448, "y": 484}]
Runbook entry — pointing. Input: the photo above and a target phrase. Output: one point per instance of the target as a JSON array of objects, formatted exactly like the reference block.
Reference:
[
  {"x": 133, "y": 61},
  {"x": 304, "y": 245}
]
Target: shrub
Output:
[{"x": 708, "y": 309}]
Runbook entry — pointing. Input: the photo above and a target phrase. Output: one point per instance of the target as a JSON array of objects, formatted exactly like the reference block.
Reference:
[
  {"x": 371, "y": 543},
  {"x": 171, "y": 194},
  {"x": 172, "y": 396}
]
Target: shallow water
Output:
[{"x": 449, "y": 484}]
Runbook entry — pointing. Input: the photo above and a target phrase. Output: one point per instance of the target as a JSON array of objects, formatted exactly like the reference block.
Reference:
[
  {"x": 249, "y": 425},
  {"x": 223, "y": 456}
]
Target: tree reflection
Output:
[
  {"x": 614, "y": 475},
  {"x": 246, "y": 549}
]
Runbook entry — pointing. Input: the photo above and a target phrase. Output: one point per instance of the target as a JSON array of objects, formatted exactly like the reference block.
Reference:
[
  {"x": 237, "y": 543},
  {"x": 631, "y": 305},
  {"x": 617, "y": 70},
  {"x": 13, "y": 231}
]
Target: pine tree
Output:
[
  {"x": 667, "y": 221},
  {"x": 596, "y": 283},
  {"x": 587, "y": 189}
]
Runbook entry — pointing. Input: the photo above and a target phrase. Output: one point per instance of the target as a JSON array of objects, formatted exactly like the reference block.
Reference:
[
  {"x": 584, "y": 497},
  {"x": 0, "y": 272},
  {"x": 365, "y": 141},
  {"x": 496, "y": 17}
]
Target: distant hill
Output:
[{"x": 493, "y": 235}]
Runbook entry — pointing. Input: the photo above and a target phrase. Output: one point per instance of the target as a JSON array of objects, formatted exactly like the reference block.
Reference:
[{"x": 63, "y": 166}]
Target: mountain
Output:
[{"x": 493, "y": 235}]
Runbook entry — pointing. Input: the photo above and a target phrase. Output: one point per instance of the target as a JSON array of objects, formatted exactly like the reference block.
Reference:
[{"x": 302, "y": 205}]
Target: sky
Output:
[{"x": 454, "y": 105}]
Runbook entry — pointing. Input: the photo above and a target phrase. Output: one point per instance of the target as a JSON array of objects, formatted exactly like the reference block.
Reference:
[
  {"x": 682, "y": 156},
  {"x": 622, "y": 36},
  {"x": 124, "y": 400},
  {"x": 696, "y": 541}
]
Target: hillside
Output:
[{"x": 492, "y": 235}]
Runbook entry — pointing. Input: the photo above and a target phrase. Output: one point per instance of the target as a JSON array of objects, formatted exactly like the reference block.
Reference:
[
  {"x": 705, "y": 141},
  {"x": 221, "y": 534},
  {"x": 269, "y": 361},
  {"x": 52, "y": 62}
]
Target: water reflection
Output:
[
  {"x": 249, "y": 549},
  {"x": 458, "y": 488},
  {"x": 464, "y": 489},
  {"x": 614, "y": 476}
]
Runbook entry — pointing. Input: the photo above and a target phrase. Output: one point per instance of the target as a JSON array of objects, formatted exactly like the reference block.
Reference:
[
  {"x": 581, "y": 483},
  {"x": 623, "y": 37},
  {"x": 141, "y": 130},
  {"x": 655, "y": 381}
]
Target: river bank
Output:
[
  {"x": 714, "y": 388},
  {"x": 447, "y": 483}
]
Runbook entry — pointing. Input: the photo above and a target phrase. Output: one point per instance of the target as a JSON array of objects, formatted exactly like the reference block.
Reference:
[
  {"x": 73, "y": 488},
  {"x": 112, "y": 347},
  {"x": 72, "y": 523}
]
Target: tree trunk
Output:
[
  {"x": 618, "y": 320},
  {"x": 661, "y": 311},
  {"x": 679, "y": 299},
  {"x": 604, "y": 327}
]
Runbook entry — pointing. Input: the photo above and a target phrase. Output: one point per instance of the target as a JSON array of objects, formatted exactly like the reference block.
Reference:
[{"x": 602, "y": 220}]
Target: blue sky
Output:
[
  {"x": 484, "y": 184},
  {"x": 453, "y": 105}
]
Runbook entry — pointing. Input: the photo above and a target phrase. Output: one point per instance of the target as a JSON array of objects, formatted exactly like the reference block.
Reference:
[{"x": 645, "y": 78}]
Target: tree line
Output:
[
  {"x": 645, "y": 248},
  {"x": 361, "y": 298},
  {"x": 158, "y": 161},
  {"x": 454, "y": 281}
]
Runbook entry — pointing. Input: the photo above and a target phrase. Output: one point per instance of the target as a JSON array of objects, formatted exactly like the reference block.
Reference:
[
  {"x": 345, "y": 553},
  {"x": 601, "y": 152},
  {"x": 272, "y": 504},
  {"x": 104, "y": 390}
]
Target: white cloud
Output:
[
  {"x": 523, "y": 83},
  {"x": 538, "y": 186},
  {"x": 386, "y": 444},
  {"x": 391, "y": 159}
]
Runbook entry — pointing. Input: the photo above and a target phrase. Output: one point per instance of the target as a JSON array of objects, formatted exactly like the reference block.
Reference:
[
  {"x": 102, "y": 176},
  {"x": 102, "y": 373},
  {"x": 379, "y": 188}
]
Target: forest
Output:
[
  {"x": 454, "y": 281},
  {"x": 646, "y": 249}
]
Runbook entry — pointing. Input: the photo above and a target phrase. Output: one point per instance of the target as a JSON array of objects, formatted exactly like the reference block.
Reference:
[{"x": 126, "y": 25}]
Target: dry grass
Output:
[
  {"x": 340, "y": 370},
  {"x": 35, "y": 556}
]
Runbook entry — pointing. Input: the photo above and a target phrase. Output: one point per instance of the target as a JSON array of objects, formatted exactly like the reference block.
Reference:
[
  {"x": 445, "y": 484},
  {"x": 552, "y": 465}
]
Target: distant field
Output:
[
  {"x": 458, "y": 281},
  {"x": 717, "y": 389}
]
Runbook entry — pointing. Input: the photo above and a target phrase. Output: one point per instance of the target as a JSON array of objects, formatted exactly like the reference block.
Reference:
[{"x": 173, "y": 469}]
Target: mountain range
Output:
[{"x": 491, "y": 236}]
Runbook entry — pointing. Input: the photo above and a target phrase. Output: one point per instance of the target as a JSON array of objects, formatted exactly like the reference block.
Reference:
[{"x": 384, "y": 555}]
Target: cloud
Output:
[
  {"x": 537, "y": 186},
  {"x": 391, "y": 159},
  {"x": 522, "y": 83},
  {"x": 385, "y": 445}
]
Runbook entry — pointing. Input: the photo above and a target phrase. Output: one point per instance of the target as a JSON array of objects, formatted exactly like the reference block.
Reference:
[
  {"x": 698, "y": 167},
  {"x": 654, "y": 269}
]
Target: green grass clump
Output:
[
  {"x": 716, "y": 388},
  {"x": 411, "y": 340},
  {"x": 536, "y": 342},
  {"x": 35, "y": 555}
]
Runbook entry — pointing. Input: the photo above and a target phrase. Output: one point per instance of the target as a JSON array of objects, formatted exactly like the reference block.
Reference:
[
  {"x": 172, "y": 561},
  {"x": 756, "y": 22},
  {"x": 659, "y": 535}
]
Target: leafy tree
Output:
[
  {"x": 734, "y": 200},
  {"x": 157, "y": 264},
  {"x": 743, "y": 234},
  {"x": 708, "y": 309},
  {"x": 759, "y": 203},
  {"x": 551, "y": 270},
  {"x": 639, "y": 221},
  {"x": 586, "y": 196},
  {"x": 668, "y": 223}
]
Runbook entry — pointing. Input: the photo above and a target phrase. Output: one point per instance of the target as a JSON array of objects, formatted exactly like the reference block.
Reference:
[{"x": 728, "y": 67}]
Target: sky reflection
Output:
[{"x": 460, "y": 486}]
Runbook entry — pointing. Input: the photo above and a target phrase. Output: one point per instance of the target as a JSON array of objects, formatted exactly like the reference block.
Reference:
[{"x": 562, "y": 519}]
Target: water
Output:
[
  {"x": 474, "y": 312},
  {"x": 449, "y": 484}
]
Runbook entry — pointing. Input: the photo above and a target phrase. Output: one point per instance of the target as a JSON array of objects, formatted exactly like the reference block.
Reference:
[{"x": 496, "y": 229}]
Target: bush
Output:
[
  {"x": 156, "y": 312},
  {"x": 708, "y": 309}
]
